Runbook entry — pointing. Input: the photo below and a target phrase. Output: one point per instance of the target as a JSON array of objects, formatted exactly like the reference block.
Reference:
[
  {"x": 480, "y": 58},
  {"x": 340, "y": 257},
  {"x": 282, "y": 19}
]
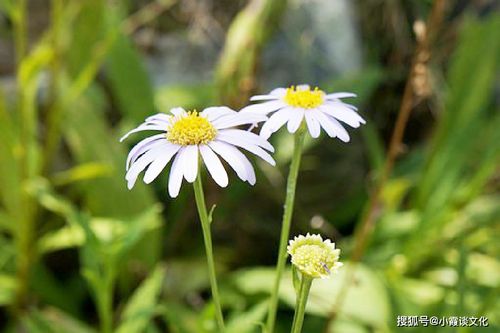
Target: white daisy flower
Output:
[
  {"x": 319, "y": 109},
  {"x": 186, "y": 135}
]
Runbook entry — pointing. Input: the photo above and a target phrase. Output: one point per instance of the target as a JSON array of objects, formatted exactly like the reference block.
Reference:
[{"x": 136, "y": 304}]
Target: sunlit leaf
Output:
[
  {"x": 249, "y": 321},
  {"x": 130, "y": 83},
  {"x": 8, "y": 287},
  {"x": 142, "y": 305},
  {"x": 52, "y": 320},
  {"x": 324, "y": 292}
]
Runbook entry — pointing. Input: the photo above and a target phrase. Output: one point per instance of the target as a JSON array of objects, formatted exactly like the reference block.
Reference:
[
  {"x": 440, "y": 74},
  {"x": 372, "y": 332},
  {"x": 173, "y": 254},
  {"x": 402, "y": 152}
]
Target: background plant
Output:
[{"x": 80, "y": 253}]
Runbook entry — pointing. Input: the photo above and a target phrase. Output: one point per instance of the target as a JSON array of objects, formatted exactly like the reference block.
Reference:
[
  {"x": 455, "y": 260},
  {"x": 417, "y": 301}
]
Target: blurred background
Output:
[{"x": 412, "y": 200}]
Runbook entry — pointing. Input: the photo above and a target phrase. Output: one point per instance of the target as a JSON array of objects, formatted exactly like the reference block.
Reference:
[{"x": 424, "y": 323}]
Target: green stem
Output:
[
  {"x": 25, "y": 234},
  {"x": 20, "y": 30},
  {"x": 285, "y": 227},
  {"x": 55, "y": 111},
  {"x": 205, "y": 225},
  {"x": 300, "y": 307},
  {"x": 105, "y": 304}
]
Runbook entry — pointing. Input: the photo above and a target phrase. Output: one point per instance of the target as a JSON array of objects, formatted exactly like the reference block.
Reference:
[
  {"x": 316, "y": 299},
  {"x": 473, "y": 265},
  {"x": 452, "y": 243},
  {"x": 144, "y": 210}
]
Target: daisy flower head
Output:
[
  {"x": 314, "y": 256},
  {"x": 186, "y": 136},
  {"x": 318, "y": 109}
]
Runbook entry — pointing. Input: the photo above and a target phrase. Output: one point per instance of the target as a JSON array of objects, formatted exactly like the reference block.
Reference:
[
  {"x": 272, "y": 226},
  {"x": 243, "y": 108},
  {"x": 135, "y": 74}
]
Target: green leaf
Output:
[
  {"x": 347, "y": 326},
  {"x": 7, "y": 6},
  {"x": 189, "y": 96},
  {"x": 8, "y": 285},
  {"x": 210, "y": 214},
  {"x": 324, "y": 292},
  {"x": 81, "y": 172},
  {"x": 471, "y": 80},
  {"x": 52, "y": 320},
  {"x": 10, "y": 177},
  {"x": 91, "y": 141},
  {"x": 415, "y": 296},
  {"x": 248, "y": 322},
  {"x": 129, "y": 82},
  {"x": 181, "y": 319},
  {"x": 89, "y": 30},
  {"x": 143, "y": 304},
  {"x": 483, "y": 270}
]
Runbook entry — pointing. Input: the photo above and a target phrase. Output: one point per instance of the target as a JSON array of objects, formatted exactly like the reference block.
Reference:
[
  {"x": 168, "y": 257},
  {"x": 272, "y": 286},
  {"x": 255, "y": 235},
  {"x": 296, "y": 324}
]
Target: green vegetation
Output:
[{"x": 418, "y": 225}]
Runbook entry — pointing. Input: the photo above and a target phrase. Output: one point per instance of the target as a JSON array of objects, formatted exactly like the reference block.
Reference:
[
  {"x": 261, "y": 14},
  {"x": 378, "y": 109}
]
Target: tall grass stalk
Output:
[{"x": 24, "y": 232}]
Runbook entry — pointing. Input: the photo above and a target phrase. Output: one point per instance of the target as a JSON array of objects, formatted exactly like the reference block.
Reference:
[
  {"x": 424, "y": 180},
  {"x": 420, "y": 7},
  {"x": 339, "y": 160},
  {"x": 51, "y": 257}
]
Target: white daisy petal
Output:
[
  {"x": 264, "y": 108},
  {"x": 248, "y": 166},
  {"x": 341, "y": 131},
  {"x": 323, "y": 121},
  {"x": 295, "y": 120},
  {"x": 216, "y": 112},
  {"x": 275, "y": 122},
  {"x": 303, "y": 87},
  {"x": 237, "y": 120},
  {"x": 254, "y": 149},
  {"x": 229, "y": 154},
  {"x": 141, "y": 147},
  {"x": 250, "y": 172},
  {"x": 343, "y": 114},
  {"x": 178, "y": 111},
  {"x": 158, "y": 122},
  {"x": 278, "y": 92},
  {"x": 312, "y": 125},
  {"x": 160, "y": 117},
  {"x": 214, "y": 166},
  {"x": 165, "y": 154},
  {"x": 338, "y": 102},
  {"x": 340, "y": 95},
  {"x": 331, "y": 126},
  {"x": 191, "y": 163},
  {"x": 144, "y": 127},
  {"x": 176, "y": 172},
  {"x": 139, "y": 165},
  {"x": 249, "y": 137},
  {"x": 263, "y": 98}
]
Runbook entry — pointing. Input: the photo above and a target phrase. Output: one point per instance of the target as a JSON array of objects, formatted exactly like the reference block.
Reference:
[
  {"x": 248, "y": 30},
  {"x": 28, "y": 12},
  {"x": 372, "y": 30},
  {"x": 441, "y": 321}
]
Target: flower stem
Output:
[
  {"x": 205, "y": 225},
  {"x": 300, "y": 307},
  {"x": 285, "y": 228}
]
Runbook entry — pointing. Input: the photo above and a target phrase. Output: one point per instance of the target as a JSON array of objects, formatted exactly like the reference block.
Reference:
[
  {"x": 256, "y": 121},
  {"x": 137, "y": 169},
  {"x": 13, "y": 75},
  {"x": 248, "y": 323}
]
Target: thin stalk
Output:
[
  {"x": 25, "y": 231},
  {"x": 285, "y": 227},
  {"x": 300, "y": 307},
  {"x": 20, "y": 30},
  {"x": 205, "y": 226},
  {"x": 55, "y": 111}
]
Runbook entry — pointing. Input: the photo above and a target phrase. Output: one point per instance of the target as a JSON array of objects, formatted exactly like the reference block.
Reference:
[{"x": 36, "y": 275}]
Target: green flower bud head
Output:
[{"x": 314, "y": 256}]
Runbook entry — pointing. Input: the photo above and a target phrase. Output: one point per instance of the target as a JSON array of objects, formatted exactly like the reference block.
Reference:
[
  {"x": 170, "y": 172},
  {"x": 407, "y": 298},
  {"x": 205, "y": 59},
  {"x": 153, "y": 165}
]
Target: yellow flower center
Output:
[
  {"x": 314, "y": 260},
  {"x": 191, "y": 129},
  {"x": 304, "y": 98}
]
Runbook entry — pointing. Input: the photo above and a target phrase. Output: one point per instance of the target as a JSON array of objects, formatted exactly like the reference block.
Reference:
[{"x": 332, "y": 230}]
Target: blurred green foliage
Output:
[{"x": 81, "y": 253}]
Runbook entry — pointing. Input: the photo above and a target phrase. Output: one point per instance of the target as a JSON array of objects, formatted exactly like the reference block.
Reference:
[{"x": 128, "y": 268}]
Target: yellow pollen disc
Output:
[
  {"x": 191, "y": 129},
  {"x": 314, "y": 260},
  {"x": 304, "y": 98}
]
